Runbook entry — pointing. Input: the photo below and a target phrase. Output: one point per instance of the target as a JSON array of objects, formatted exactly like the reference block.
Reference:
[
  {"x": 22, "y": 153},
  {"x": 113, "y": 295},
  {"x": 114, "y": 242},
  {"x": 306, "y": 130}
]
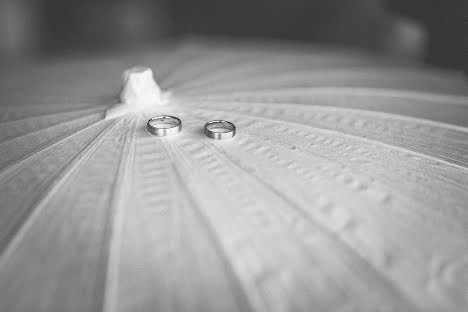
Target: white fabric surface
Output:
[{"x": 345, "y": 189}]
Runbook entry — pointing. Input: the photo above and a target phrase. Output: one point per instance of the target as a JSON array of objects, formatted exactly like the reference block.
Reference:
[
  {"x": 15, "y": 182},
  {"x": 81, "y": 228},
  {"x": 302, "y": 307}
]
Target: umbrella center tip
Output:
[
  {"x": 139, "y": 91},
  {"x": 139, "y": 87}
]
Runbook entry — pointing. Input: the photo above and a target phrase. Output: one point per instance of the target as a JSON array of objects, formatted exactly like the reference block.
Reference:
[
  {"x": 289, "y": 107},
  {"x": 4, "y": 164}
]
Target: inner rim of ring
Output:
[
  {"x": 164, "y": 122},
  {"x": 220, "y": 126}
]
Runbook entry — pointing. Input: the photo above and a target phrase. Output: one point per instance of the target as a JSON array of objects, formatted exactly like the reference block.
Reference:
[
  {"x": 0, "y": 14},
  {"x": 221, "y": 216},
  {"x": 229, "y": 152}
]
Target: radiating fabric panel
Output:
[{"x": 345, "y": 188}]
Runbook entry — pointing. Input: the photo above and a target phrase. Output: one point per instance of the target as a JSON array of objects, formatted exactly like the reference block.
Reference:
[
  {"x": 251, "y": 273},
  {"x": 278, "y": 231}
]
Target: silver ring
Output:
[
  {"x": 164, "y": 125},
  {"x": 220, "y": 129}
]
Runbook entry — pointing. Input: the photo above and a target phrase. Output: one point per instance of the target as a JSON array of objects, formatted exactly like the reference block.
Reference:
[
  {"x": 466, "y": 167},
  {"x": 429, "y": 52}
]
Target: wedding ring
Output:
[
  {"x": 220, "y": 129},
  {"x": 164, "y": 125}
]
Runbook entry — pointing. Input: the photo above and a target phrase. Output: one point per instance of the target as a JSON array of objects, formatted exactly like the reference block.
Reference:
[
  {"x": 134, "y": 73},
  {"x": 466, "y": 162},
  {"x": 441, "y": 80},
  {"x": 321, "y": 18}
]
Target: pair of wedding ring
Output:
[{"x": 169, "y": 125}]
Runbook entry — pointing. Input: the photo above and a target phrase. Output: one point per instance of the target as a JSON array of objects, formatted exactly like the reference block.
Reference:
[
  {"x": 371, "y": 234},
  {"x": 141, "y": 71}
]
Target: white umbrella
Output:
[{"x": 345, "y": 188}]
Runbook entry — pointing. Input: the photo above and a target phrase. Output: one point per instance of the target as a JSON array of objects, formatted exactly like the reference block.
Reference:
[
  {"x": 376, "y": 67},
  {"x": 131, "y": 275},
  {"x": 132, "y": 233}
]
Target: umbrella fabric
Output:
[{"x": 345, "y": 188}]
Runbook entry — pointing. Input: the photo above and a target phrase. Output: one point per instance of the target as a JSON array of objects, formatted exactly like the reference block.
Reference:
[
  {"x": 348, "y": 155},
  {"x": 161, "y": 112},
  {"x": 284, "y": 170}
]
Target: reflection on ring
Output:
[
  {"x": 164, "y": 125},
  {"x": 220, "y": 129}
]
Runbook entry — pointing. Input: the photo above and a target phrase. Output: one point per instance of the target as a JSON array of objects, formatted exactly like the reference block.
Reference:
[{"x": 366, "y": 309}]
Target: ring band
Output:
[
  {"x": 164, "y": 125},
  {"x": 220, "y": 129}
]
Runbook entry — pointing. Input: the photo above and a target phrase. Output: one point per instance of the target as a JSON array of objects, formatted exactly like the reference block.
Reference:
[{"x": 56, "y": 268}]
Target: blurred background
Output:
[{"x": 434, "y": 31}]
